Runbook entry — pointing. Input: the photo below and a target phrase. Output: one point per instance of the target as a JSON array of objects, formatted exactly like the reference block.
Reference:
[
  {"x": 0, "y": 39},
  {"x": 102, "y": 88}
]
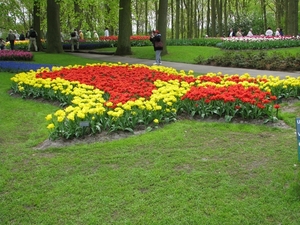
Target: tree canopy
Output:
[{"x": 185, "y": 18}]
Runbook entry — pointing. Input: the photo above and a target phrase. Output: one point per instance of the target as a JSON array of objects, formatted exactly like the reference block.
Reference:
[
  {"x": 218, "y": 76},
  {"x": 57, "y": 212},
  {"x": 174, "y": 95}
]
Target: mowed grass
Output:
[
  {"x": 188, "y": 172},
  {"x": 188, "y": 54}
]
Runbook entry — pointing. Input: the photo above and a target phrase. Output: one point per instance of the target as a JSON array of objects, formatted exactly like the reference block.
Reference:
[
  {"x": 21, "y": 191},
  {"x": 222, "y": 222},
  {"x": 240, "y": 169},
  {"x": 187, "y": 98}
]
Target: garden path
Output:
[{"x": 202, "y": 69}]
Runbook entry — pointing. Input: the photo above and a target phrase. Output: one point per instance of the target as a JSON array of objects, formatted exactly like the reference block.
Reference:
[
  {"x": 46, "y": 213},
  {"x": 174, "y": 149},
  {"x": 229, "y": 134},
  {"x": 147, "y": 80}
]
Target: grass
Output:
[
  {"x": 185, "y": 54},
  {"x": 188, "y": 54},
  {"x": 187, "y": 172}
]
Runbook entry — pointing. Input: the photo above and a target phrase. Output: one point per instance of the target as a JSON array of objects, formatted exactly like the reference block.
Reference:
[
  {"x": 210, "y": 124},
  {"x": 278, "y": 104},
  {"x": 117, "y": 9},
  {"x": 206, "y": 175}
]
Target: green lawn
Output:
[
  {"x": 188, "y": 54},
  {"x": 188, "y": 172}
]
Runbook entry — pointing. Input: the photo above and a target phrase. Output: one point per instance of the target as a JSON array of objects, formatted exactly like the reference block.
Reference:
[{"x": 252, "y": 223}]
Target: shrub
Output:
[{"x": 260, "y": 60}]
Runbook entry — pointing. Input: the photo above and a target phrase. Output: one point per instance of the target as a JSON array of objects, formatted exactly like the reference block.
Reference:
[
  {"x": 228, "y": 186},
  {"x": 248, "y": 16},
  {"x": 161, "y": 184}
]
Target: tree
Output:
[
  {"x": 124, "y": 46},
  {"x": 53, "y": 24},
  {"x": 37, "y": 23},
  {"x": 293, "y": 17},
  {"x": 162, "y": 22}
]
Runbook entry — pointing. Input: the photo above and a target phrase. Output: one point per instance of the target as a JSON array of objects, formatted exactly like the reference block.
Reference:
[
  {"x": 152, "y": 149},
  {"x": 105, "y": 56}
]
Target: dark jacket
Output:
[
  {"x": 156, "y": 38},
  {"x": 22, "y": 37}
]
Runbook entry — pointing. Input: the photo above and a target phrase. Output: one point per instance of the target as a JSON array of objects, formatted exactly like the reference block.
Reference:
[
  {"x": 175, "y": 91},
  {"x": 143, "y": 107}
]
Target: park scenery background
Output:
[
  {"x": 188, "y": 169},
  {"x": 84, "y": 141}
]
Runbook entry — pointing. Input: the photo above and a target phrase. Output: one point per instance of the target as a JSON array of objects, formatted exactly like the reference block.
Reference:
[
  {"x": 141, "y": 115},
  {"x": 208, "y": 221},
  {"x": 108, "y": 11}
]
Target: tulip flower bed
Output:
[
  {"x": 112, "y": 97},
  {"x": 15, "y": 55}
]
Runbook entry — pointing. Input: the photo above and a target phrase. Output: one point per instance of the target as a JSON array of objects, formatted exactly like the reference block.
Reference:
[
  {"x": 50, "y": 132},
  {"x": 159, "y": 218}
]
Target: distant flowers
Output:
[
  {"x": 16, "y": 66},
  {"x": 132, "y": 38},
  {"x": 111, "y": 97},
  {"x": 258, "y": 38},
  {"x": 15, "y": 55}
]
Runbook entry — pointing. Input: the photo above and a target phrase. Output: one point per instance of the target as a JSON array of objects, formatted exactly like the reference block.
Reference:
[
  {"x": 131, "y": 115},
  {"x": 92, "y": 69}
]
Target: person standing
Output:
[
  {"x": 2, "y": 44},
  {"x": 231, "y": 33},
  {"x": 158, "y": 47},
  {"x": 11, "y": 38},
  {"x": 96, "y": 36},
  {"x": 269, "y": 32},
  {"x": 106, "y": 32},
  {"x": 32, "y": 39},
  {"x": 239, "y": 33},
  {"x": 281, "y": 32},
  {"x": 74, "y": 40},
  {"x": 22, "y": 36},
  {"x": 81, "y": 36},
  {"x": 250, "y": 33},
  {"x": 88, "y": 35},
  {"x": 17, "y": 35},
  {"x": 277, "y": 33}
]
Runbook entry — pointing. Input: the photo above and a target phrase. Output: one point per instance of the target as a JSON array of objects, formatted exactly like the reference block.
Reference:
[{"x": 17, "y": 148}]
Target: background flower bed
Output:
[
  {"x": 15, "y": 55},
  {"x": 15, "y": 67},
  {"x": 120, "y": 97},
  {"x": 254, "y": 60},
  {"x": 224, "y": 43}
]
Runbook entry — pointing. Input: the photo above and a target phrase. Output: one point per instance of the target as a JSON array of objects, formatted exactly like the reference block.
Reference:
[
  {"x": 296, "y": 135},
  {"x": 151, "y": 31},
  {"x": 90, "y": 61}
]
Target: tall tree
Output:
[
  {"x": 53, "y": 24},
  {"x": 293, "y": 17},
  {"x": 162, "y": 22},
  {"x": 124, "y": 46},
  {"x": 37, "y": 23},
  {"x": 219, "y": 6},
  {"x": 213, "y": 18}
]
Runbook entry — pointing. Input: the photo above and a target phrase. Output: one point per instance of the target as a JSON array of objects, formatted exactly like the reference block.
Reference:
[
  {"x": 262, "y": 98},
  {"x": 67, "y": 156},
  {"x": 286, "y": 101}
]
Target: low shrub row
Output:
[{"x": 261, "y": 60}]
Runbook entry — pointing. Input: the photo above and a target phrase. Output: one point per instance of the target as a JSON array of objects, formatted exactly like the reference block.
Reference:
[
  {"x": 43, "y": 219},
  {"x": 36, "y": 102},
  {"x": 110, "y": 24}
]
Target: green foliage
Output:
[
  {"x": 254, "y": 60},
  {"x": 259, "y": 44}
]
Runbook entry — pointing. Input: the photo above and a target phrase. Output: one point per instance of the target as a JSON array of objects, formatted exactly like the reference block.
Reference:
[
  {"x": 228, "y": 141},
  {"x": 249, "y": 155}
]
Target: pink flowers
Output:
[{"x": 15, "y": 55}]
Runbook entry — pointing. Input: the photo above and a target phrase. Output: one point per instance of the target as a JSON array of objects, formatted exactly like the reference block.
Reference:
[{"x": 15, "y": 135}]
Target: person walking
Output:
[
  {"x": 106, "y": 32},
  {"x": 32, "y": 39},
  {"x": 158, "y": 46},
  {"x": 74, "y": 40},
  {"x": 11, "y": 38}
]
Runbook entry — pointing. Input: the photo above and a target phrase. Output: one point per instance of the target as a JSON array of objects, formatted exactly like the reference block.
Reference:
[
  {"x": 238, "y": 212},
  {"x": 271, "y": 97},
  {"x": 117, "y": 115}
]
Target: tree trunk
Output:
[
  {"x": 177, "y": 22},
  {"x": 225, "y": 18},
  {"x": 293, "y": 17},
  {"x": 162, "y": 22},
  {"x": 208, "y": 18},
  {"x": 146, "y": 18},
  {"x": 219, "y": 6},
  {"x": 53, "y": 23},
  {"x": 213, "y": 18},
  {"x": 124, "y": 46},
  {"x": 37, "y": 24},
  {"x": 264, "y": 12}
]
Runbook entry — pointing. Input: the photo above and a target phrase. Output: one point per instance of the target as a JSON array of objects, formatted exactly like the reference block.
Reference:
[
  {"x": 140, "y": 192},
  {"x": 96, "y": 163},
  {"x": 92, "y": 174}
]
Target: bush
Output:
[{"x": 261, "y": 60}]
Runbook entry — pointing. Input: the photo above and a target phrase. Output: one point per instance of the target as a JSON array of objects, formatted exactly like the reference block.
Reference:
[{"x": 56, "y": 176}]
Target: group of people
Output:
[
  {"x": 76, "y": 37},
  {"x": 268, "y": 33},
  {"x": 12, "y": 36}
]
